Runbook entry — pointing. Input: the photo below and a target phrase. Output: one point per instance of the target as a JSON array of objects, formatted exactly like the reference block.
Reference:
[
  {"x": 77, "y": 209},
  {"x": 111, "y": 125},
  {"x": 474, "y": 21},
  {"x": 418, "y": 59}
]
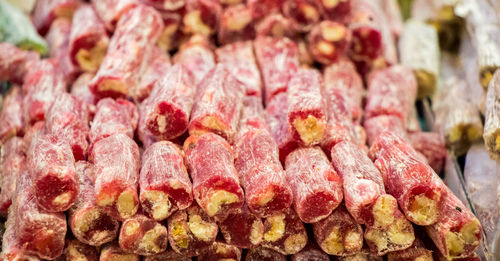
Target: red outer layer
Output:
[
  {"x": 391, "y": 91},
  {"x": 376, "y": 125},
  {"x": 261, "y": 174},
  {"x": 46, "y": 11},
  {"x": 42, "y": 84},
  {"x": 113, "y": 116},
  {"x": 12, "y": 162},
  {"x": 110, "y": 11},
  {"x": 38, "y": 232},
  {"x": 263, "y": 7},
  {"x": 129, "y": 48},
  {"x": 304, "y": 13},
  {"x": 80, "y": 89},
  {"x": 236, "y": 24},
  {"x": 52, "y": 166},
  {"x": 163, "y": 170},
  {"x": 220, "y": 251},
  {"x": 14, "y": 62},
  {"x": 241, "y": 228},
  {"x": 86, "y": 32},
  {"x": 58, "y": 41},
  {"x": 264, "y": 254},
  {"x": 241, "y": 62},
  {"x": 68, "y": 118},
  {"x": 218, "y": 104},
  {"x": 275, "y": 25},
  {"x": 100, "y": 229},
  {"x": 326, "y": 46},
  {"x": 168, "y": 108},
  {"x": 278, "y": 60},
  {"x": 343, "y": 75},
  {"x": 116, "y": 164},
  {"x": 316, "y": 187},
  {"x": 76, "y": 250},
  {"x": 363, "y": 183},
  {"x": 157, "y": 66},
  {"x": 197, "y": 56},
  {"x": 210, "y": 161},
  {"x": 335, "y": 10},
  {"x": 133, "y": 241},
  {"x": 432, "y": 146},
  {"x": 11, "y": 117},
  {"x": 252, "y": 116},
  {"x": 276, "y": 117},
  {"x": 166, "y": 5},
  {"x": 404, "y": 172},
  {"x": 207, "y": 13}
]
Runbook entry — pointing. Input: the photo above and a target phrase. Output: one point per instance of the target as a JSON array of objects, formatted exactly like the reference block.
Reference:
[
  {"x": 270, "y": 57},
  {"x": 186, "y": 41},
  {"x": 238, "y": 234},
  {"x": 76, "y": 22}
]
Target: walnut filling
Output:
[
  {"x": 74, "y": 254},
  {"x": 90, "y": 60},
  {"x": 383, "y": 211},
  {"x": 160, "y": 204},
  {"x": 202, "y": 230},
  {"x": 113, "y": 85},
  {"x": 333, "y": 244},
  {"x": 295, "y": 243},
  {"x": 149, "y": 241},
  {"x": 426, "y": 82},
  {"x": 333, "y": 32},
  {"x": 126, "y": 204},
  {"x": 131, "y": 227},
  {"x": 353, "y": 241},
  {"x": 256, "y": 232},
  {"x": 195, "y": 24},
  {"x": 213, "y": 123},
  {"x": 265, "y": 198},
  {"x": 330, "y": 3},
  {"x": 325, "y": 48},
  {"x": 423, "y": 210},
  {"x": 218, "y": 199},
  {"x": 277, "y": 229},
  {"x": 165, "y": 39},
  {"x": 310, "y": 129},
  {"x": 63, "y": 199},
  {"x": 310, "y": 12},
  {"x": 237, "y": 23},
  {"x": 180, "y": 235},
  {"x": 401, "y": 233}
]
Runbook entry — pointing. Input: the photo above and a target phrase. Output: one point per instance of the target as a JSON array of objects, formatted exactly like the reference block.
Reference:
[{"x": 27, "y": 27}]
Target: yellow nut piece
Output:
[
  {"x": 333, "y": 244},
  {"x": 310, "y": 129},
  {"x": 277, "y": 229},
  {"x": 202, "y": 230},
  {"x": 383, "y": 211},
  {"x": 160, "y": 204},
  {"x": 62, "y": 199},
  {"x": 149, "y": 240},
  {"x": 295, "y": 243},
  {"x": 194, "y": 24},
  {"x": 126, "y": 204},
  {"x": 180, "y": 235},
  {"x": 131, "y": 227},
  {"x": 90, "y": 60},
  {"x": 113, "y": 85},
  {"x": 218, "y": 199},
  {"x": 423, "y": 210}
]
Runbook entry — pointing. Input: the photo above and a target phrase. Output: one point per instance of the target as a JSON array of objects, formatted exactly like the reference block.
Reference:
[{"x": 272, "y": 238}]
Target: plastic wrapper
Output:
[
  {"x": 408, "y": 178},
  {"x": 14, "y": 62},
  {"x": 218, "y": 104},
  {"x": 164, "y": 182},
  {"x": 89, "y": 223},
  {"x": 113, "y": 116},
  {"x": 481, "y": 180},
  {"x": 461, "y": 125},
  {"x": 157, "y": 66},
  {"x": 88, "y": 40},
  {"x": 18, "y": 30},
  {"x": 58, "y": 41},
  {"x": 136, "y": 33},
  {"x": 216, "y": 185},
  {"x": 52, "y": 166},
  {"x": 201, "y": 17},
  {"x": 339, "y": 234},
  {"x": 306, "y": 109},
  {"x": 76, "y": 250},
  {"x": 236, "y": 24},
  {"x": 220, "y": 251},
  {"x": 261, "y": 173},
  {"x": 278, "y": 60},
  {"x": 113, "y": 252},
  {"x": 264, "y": 254},
  {"x": 166, "y": 112},
  {"x": 116, "y": 169},
  {"x": 35, "y": 231},
  {"x": 328, "y": 41},
  {"x": 11, "y": 116},
  {"x": 68, "y": 118},
  {"x": 241, "y": 228},
  {"x": 284, "y": 232},
  {"x": 168, "y": 255},
  {"x": 316, "y": 187},
  {"x": 12, "y": 162},
  {"x": 110, "y": 11},
  {"x": 391, "y": 91},
  {"x": 191, "y": 231},
  {"x": 343, "y": 75},
  {"x": 41, "y": 86},
  {"x": 143, "y": 236},
  {"x": 303, "y": 13},
  {"x": 275, "y": 25},
  {"x": 431, "y": 146},
  {"x": 240, "y": 60},
  {"x": 197, "y": 56},
  {"x": 276, "y": 117},
  {"x": 419, "y": 50},
  {"x": 491, "y": 132},
  {"x": 47, "y": 11}
]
